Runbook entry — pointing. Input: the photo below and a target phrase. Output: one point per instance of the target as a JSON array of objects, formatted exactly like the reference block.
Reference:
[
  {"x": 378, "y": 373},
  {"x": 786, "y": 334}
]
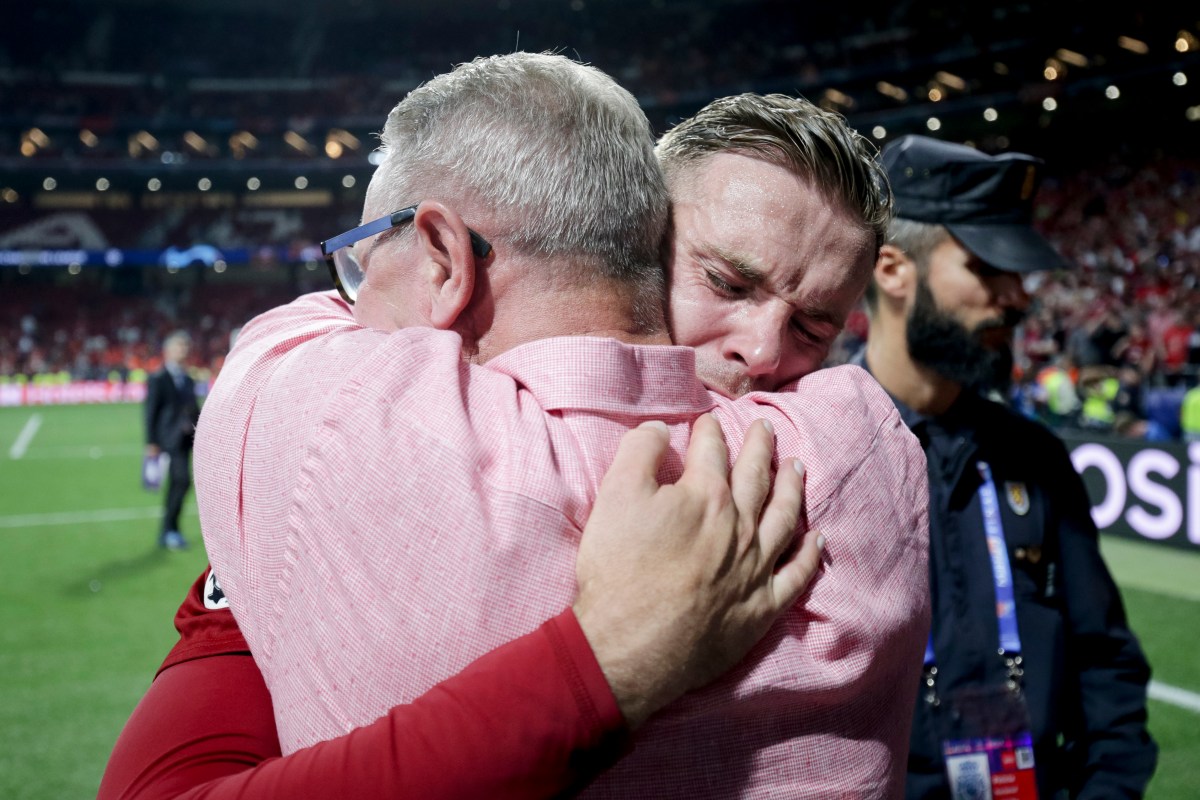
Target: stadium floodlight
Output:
[
  {"x": 297, "y": 142},
  {"x": 951, "y": 80},
  {"x": 348, "y": 181},
  {"x": 204, "y": 184},
  {"x": 1112, "y": 92},
  {"x": 1179, "y": 79},
  {"x": 933, "y": 123},
  {"x": 990, "y": 114},
  {"x": 196, "y": 142},
  {"x": 1133, "y": 45},
  {"x": 10, "y": 195},
  {"x": 241, "y": 143},
  {"x": 301, "y": 182},
  {"x": 891, "y": 90},
  {"x": 343, "y": 137},
  {"x": 154, "y": 184},
  {"x": 102, "y": 184},
  {"x": 1050, "y": 104},
  {"x": 1071, "y": 57},
  {"x": 49, "y": 184},
  {"x": 879, "y": 132},
  {"x": 253, "y": 183},
  {"x": 838, "y": 97},
  {"x": 88, "y": 138}
]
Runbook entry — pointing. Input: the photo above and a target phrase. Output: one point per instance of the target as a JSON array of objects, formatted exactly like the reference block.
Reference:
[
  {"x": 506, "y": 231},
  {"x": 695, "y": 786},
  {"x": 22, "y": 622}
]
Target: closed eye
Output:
[
  {"x": 804, "y": 333},
  {"x": 723, "y": 286}
]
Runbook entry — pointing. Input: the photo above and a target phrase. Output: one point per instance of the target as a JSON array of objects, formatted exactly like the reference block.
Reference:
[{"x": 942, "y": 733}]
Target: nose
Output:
[
  {"x": 1009, "y": 291},
  {"x": 755, "y": 341}
]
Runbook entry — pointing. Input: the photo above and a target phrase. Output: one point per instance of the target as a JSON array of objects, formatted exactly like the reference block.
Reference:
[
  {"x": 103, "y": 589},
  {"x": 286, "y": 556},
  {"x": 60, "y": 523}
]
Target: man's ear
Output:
[
  {"x": 447, "y": 268},
  {"x": 895, "y": 274}
]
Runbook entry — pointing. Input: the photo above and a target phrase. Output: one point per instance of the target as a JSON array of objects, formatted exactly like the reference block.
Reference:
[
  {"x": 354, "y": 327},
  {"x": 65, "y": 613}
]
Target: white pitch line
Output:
[
  {"x": 84, "y": 452},
  {"x": 78, "y": 517},
  {"x": 25, "y": 437},
  {"x": 1175, "y": 696}
]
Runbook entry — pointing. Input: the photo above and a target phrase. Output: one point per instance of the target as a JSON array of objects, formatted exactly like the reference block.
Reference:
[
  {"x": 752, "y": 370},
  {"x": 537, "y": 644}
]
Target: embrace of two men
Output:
[{"x": 390, "y": 490}]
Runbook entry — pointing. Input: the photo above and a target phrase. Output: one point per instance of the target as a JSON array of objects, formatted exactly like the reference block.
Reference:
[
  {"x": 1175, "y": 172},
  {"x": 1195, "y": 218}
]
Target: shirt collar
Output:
[{"x": 596, "y": 374}]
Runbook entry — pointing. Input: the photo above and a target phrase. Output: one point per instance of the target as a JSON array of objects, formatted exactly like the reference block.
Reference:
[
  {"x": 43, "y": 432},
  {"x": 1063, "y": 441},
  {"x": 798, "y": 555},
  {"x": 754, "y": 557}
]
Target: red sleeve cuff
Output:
[
  {"x": 582, "y": 672},
  {"x": 611, "y": 739}
]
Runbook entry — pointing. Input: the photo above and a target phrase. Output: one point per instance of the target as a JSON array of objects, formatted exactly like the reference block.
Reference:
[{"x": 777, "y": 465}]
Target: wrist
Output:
[{"x": 640, "y": 680}]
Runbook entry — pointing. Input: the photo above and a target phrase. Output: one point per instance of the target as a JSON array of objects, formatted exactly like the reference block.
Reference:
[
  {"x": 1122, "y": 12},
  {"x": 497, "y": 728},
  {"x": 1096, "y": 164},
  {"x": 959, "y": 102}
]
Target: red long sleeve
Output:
[{"x": 533, "y": 718}]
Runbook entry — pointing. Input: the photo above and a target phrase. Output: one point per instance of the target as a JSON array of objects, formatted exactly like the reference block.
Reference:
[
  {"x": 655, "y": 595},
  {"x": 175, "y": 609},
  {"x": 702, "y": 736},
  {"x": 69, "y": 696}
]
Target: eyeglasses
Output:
[{"x": 343, "y": 265}]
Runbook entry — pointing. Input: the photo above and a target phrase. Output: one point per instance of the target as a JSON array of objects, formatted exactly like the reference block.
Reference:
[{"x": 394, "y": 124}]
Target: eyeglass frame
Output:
[{"x": 479, "y": 245}]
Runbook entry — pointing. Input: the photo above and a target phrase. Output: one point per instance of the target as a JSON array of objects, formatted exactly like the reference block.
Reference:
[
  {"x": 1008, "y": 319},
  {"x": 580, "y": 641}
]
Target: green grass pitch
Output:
[{"x": 87, "y": 598}]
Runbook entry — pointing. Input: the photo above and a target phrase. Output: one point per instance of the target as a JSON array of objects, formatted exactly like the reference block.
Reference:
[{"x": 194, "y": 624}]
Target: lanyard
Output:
[{"x": 1006, "y": 606}]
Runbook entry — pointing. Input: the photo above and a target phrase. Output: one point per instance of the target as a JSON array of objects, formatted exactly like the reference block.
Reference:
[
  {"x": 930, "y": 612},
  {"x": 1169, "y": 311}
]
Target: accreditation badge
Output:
[
  {"x": 991, "y": 769},
  {"x": 989, "y": 752}
]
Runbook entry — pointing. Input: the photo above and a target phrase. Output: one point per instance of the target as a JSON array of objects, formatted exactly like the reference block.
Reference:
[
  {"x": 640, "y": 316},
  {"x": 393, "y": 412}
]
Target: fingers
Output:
[
  {"x": 706, "y": 453},
  {"x": 638, "y": 457},
  {"x": 777, "y": 527},
  {"x": 751, "y": 479},
  {"x": 797, "y": 572}
]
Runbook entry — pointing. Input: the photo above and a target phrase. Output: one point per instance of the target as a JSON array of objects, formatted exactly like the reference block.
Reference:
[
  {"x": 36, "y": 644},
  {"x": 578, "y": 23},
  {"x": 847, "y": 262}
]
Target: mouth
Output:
[{"x": 728, "y": 383}]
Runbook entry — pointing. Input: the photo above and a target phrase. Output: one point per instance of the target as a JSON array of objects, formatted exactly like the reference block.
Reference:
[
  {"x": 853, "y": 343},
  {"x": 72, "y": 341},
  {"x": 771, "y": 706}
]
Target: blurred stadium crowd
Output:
[
  {"x": 126, "y": 99},
  {"x": 1130, "y": 313}
]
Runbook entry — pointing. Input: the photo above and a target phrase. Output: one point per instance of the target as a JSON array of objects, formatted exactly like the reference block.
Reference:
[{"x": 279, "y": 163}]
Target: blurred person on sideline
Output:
[
  {"x": 171, "y": 413},
  {"x": 767, "y": 258},
  {"x": 1033, "y": 682}
]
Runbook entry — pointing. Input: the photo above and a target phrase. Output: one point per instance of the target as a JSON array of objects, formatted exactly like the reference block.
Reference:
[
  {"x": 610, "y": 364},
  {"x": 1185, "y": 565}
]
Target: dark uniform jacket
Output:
[
  {"x": 1084, "y": 673},
  {"x": 171, "y": 412}
]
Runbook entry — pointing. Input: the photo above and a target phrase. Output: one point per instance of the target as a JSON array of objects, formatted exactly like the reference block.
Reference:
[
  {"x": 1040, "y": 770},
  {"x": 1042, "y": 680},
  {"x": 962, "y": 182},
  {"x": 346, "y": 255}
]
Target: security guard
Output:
[{"x": 1034, "y": 685}]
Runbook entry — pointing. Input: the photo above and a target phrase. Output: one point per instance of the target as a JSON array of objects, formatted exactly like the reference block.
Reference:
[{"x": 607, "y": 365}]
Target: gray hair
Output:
[
  {"x": 792, "y": 133},
  {"x": 559, "y": 154},
  {"x": 918, "y": 240}
]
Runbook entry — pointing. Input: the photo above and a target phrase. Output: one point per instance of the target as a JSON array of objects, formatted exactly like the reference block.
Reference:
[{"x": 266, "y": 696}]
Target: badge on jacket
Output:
[{"x": 1018, "y": 497}]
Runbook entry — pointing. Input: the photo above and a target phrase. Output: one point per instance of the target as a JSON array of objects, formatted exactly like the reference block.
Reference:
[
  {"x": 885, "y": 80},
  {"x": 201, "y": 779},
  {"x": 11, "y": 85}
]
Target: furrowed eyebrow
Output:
[
  {"x": 748, "y": 271},
  {"x": 821, "y": 315},
  {"x": 755, "y": 275}
]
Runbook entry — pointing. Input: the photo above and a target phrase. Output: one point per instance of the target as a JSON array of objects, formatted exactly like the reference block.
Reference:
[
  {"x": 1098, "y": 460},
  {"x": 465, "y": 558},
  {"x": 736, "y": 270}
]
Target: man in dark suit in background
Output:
[{"x": 171, "y": 414}]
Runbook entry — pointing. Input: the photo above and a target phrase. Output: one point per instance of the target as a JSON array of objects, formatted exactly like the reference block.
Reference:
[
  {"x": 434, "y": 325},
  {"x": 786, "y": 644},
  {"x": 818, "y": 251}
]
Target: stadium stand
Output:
[{"x": 163, "y": 168}]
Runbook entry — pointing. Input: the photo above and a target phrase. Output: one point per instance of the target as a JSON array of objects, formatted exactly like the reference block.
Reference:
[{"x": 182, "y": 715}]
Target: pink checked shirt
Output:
[{"x": 382, "y": 513}]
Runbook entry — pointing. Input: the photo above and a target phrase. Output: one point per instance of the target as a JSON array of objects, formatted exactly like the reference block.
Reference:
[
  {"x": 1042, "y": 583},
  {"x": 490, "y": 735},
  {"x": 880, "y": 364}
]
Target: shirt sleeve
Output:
[{"x": 533, "y": 718}]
